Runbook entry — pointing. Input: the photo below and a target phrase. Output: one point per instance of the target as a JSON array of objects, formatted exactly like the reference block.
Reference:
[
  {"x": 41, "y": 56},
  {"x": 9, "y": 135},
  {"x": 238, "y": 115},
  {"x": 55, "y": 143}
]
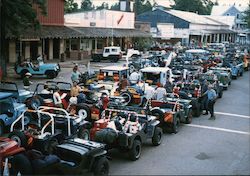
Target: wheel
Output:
[
  {"x": 175, "y": 125},
  {"x": 84, "y": 112},
  {"x": 156, "y": 140},
  {"x": 189, "y": 117},
  {"x": 34, "y": 103},
  {"x": 224, "y": 88},
  {"x": 229, "y": 83},
  {"x": 197, "y": 110},
  {"x": 135, "y": 152},
  {"x": 101, "y": 166},
  {"x": 234, "y": 77},
  {"x": 241, "y": 73},
  {"x": 127, "y": 96},
  {"x": 84, "y": 134},
  {"x": 19, "y": 137},
  {"x": 50, "y": 74},
  {"x": 18, "y": 162},
  {"x": 159, "y": 115},
  {"x": 1, "y": 128}
]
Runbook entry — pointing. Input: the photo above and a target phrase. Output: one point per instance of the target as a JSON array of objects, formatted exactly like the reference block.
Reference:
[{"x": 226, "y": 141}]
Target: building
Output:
[
  {"x": 236, "y": 11},
  {"x": 73, "y": 37},
  {"x": 176, "y": 25}
]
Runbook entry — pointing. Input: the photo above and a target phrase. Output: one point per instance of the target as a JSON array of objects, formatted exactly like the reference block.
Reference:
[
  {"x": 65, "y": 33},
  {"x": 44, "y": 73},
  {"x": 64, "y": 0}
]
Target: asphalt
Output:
[{"x": 222, "y": 150}]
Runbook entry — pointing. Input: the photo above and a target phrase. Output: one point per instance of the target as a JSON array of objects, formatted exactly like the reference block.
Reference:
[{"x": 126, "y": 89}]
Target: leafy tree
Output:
[
  {"x": 116, "y": 6},
  {"x": 70, "y": 6},
  {"x": 247, "y": 16},
  {"x": 141, "y": 6},
  {"x": 103, "y": 6},
  {"x": 87, "y": 5},
  {"x": 202, "y": 7},
  {"x": 15, "y": 17}
]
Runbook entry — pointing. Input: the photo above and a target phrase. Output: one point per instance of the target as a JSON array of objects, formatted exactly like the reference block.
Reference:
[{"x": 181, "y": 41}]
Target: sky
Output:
[{"x": 168, "y": 2}]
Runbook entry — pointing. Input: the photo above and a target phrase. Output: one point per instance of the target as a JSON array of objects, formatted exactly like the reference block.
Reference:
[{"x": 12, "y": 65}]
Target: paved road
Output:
[
  {"x": 198, "y": 149},
  {"x": 203, "y": 147}
]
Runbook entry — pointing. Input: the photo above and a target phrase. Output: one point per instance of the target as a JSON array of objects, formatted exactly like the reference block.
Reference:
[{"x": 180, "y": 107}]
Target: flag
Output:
[{"x": 120, "y": 19}]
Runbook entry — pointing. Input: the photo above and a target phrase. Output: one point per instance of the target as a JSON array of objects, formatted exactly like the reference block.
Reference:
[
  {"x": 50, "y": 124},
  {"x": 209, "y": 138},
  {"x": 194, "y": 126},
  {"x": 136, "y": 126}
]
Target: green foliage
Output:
[
  {"x": 70, "y": 6},
  {"x": 202, "y": 7},
  {"x": 247, "y": 16},
  {"x": 141, "y": 6},
  {"x": 103, "y": 6},
  {"x": 143, "y": 43},
  {"x": 116, "y": 6},
  {"x": 87, "y": 5}
]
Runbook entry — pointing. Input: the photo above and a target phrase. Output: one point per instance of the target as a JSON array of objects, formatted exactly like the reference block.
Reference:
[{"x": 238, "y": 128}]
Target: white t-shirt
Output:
[
  {"x": 160, "y": 93},
  {"x": 57, "y": 98},
  {"x": 45, "y": 91},
  {"x": 134, "y": 77}
]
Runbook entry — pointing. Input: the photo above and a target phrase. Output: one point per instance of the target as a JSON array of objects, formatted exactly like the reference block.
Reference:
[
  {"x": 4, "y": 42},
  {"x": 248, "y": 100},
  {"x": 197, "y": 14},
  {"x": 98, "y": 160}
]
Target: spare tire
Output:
[
  {"x": 127, "y": 96},
  {"x": 34, "y": 102},
  {"x": 84, "y": 111},
  {"x": 159, "y": 114},
  {"x": 106, "y": 135}
]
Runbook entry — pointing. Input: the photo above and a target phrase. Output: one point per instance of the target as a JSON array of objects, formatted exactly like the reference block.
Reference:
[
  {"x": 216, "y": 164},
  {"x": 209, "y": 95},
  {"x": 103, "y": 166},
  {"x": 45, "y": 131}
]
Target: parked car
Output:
[
  {"x": 171, "y": 112},
  {"x": 111, "y": 53},
  {"x": 20, "y": 94},
  {"x": 223, "y": 76},
  {"x": 10, "y": 110},
  {"x": 49, "y": 70},
  {"x": 126, "y": 130}
]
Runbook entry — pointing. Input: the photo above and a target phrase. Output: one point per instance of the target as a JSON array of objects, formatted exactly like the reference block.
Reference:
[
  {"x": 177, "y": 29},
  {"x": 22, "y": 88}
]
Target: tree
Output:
[
  {"x": 247, "y": 16},
  {"x": 103, "y": 6},
  {"x": 15, "y": 18},
  {"x": 87, "y": 5},
  {"x": 141, "y": 6},
  {"x": 70, "y": 6},
  {"x": 116, "y": 6},
  {"x": 202, "y": 7}
]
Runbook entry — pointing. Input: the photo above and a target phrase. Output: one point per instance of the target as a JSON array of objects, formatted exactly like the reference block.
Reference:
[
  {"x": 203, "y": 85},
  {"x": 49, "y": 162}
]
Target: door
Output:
[
  {"x": 56, "y": 48},
  {"x": 33, "y": 50}
]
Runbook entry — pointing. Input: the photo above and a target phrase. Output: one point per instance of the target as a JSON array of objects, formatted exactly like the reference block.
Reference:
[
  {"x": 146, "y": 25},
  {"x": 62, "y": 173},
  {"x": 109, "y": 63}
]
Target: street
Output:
[{"x": 202, "y": 147}]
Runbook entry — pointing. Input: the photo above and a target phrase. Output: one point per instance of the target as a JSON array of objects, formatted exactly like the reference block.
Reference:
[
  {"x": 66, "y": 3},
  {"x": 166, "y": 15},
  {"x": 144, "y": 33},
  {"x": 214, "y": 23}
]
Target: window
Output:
[
  {"x": 114, "y": 50},
  {"x": 74, "y": 44},
  {"x": 237, "y": 16},
  {"x": 84, "y": 44},
  {"x": 228, "y": 14},
  {"x": 106, "y": 50},
  {"x": 99, "y": 44}
]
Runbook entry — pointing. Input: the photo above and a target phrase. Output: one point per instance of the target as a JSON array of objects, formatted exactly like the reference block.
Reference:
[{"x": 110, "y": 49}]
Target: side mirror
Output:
[{"x": 9, "y": 113}]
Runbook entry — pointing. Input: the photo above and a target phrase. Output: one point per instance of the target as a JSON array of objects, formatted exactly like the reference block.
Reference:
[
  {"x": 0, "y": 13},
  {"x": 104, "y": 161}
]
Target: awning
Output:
[
  {"x": 64, "y": 32},
  {"x": 219, "y": 31}
]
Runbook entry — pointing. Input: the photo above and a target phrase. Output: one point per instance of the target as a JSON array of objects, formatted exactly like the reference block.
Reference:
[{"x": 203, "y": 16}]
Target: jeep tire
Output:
[
  {"x": 175, "y": 125},
  {"x": 127, "y": 96},
  {"x": 101, "y": 166},
  {"x": 83, "y": 134},
  {"x": 19, "y": 137},
  {"x": 50, "y": 74},
  {"x": 84, "y": 110},
  {"x": 20, "y": 164},
  {"x": 157, "y": 137},
  {"x": 1, "y": 128},
  {"x": 189, "y": 117},
  {"x": 135, "y": 152}
]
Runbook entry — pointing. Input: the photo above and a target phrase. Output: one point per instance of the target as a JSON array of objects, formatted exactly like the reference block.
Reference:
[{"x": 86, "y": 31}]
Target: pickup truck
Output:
[{"x": 111, "y": 53}]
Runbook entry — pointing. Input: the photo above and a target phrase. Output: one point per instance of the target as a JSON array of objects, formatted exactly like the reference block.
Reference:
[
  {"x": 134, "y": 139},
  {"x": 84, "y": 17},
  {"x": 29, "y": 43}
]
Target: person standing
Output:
[
  {"x": 160, "y": 92},
  {"x": 26, "y": 81},
  {"x": 211, "y": 97},
  {"x": 75, "y": 74}
]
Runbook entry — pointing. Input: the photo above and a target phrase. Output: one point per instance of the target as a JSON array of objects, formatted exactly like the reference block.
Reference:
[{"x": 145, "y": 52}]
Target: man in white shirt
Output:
[
  {"x": 134, "y": 77},
  {"x": 45, "y": 90},
  {"x": 160, "y": 92},
  {"x": 57, "y": 98}
]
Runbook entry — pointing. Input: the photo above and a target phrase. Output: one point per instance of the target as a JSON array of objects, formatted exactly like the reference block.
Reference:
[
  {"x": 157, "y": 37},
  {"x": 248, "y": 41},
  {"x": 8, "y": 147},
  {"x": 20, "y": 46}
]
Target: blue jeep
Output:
[
  {"x": 237, "y": 67},
  {"x": 10, "y": 110},
  {"x": 20, "y": 94},
  {"x": 42, "y": 69}
]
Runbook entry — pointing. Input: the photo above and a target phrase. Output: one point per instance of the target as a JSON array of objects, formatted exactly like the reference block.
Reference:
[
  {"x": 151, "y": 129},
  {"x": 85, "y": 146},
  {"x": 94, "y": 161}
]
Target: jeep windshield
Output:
[{"x": 6, "y": 86}]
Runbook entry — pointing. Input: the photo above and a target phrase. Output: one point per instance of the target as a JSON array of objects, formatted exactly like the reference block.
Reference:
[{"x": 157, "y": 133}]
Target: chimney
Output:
[{"x": 126, "y": 5}]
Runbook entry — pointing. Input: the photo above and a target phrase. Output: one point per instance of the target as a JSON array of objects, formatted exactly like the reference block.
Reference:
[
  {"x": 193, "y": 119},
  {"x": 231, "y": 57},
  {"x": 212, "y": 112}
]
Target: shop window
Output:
[
  {"x": 84, "y": 44},
  {"x": 99, "y": 44},
  {"x": 74, "y": 44}
]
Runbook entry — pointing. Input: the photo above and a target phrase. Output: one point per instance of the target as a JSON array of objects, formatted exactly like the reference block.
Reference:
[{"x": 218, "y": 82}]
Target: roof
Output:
[
  {"x": 228, "y": 20},
  {"x": 219, "y": 10},
  {"x": 192, "y": 17},
  {"x": 4, "y": 95},
  {"x": 66, "y": 32},
  {"x": 155, "y": 69},
  {"x": 113, "y": 68},
  {"x": 197, "y": 51}
]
